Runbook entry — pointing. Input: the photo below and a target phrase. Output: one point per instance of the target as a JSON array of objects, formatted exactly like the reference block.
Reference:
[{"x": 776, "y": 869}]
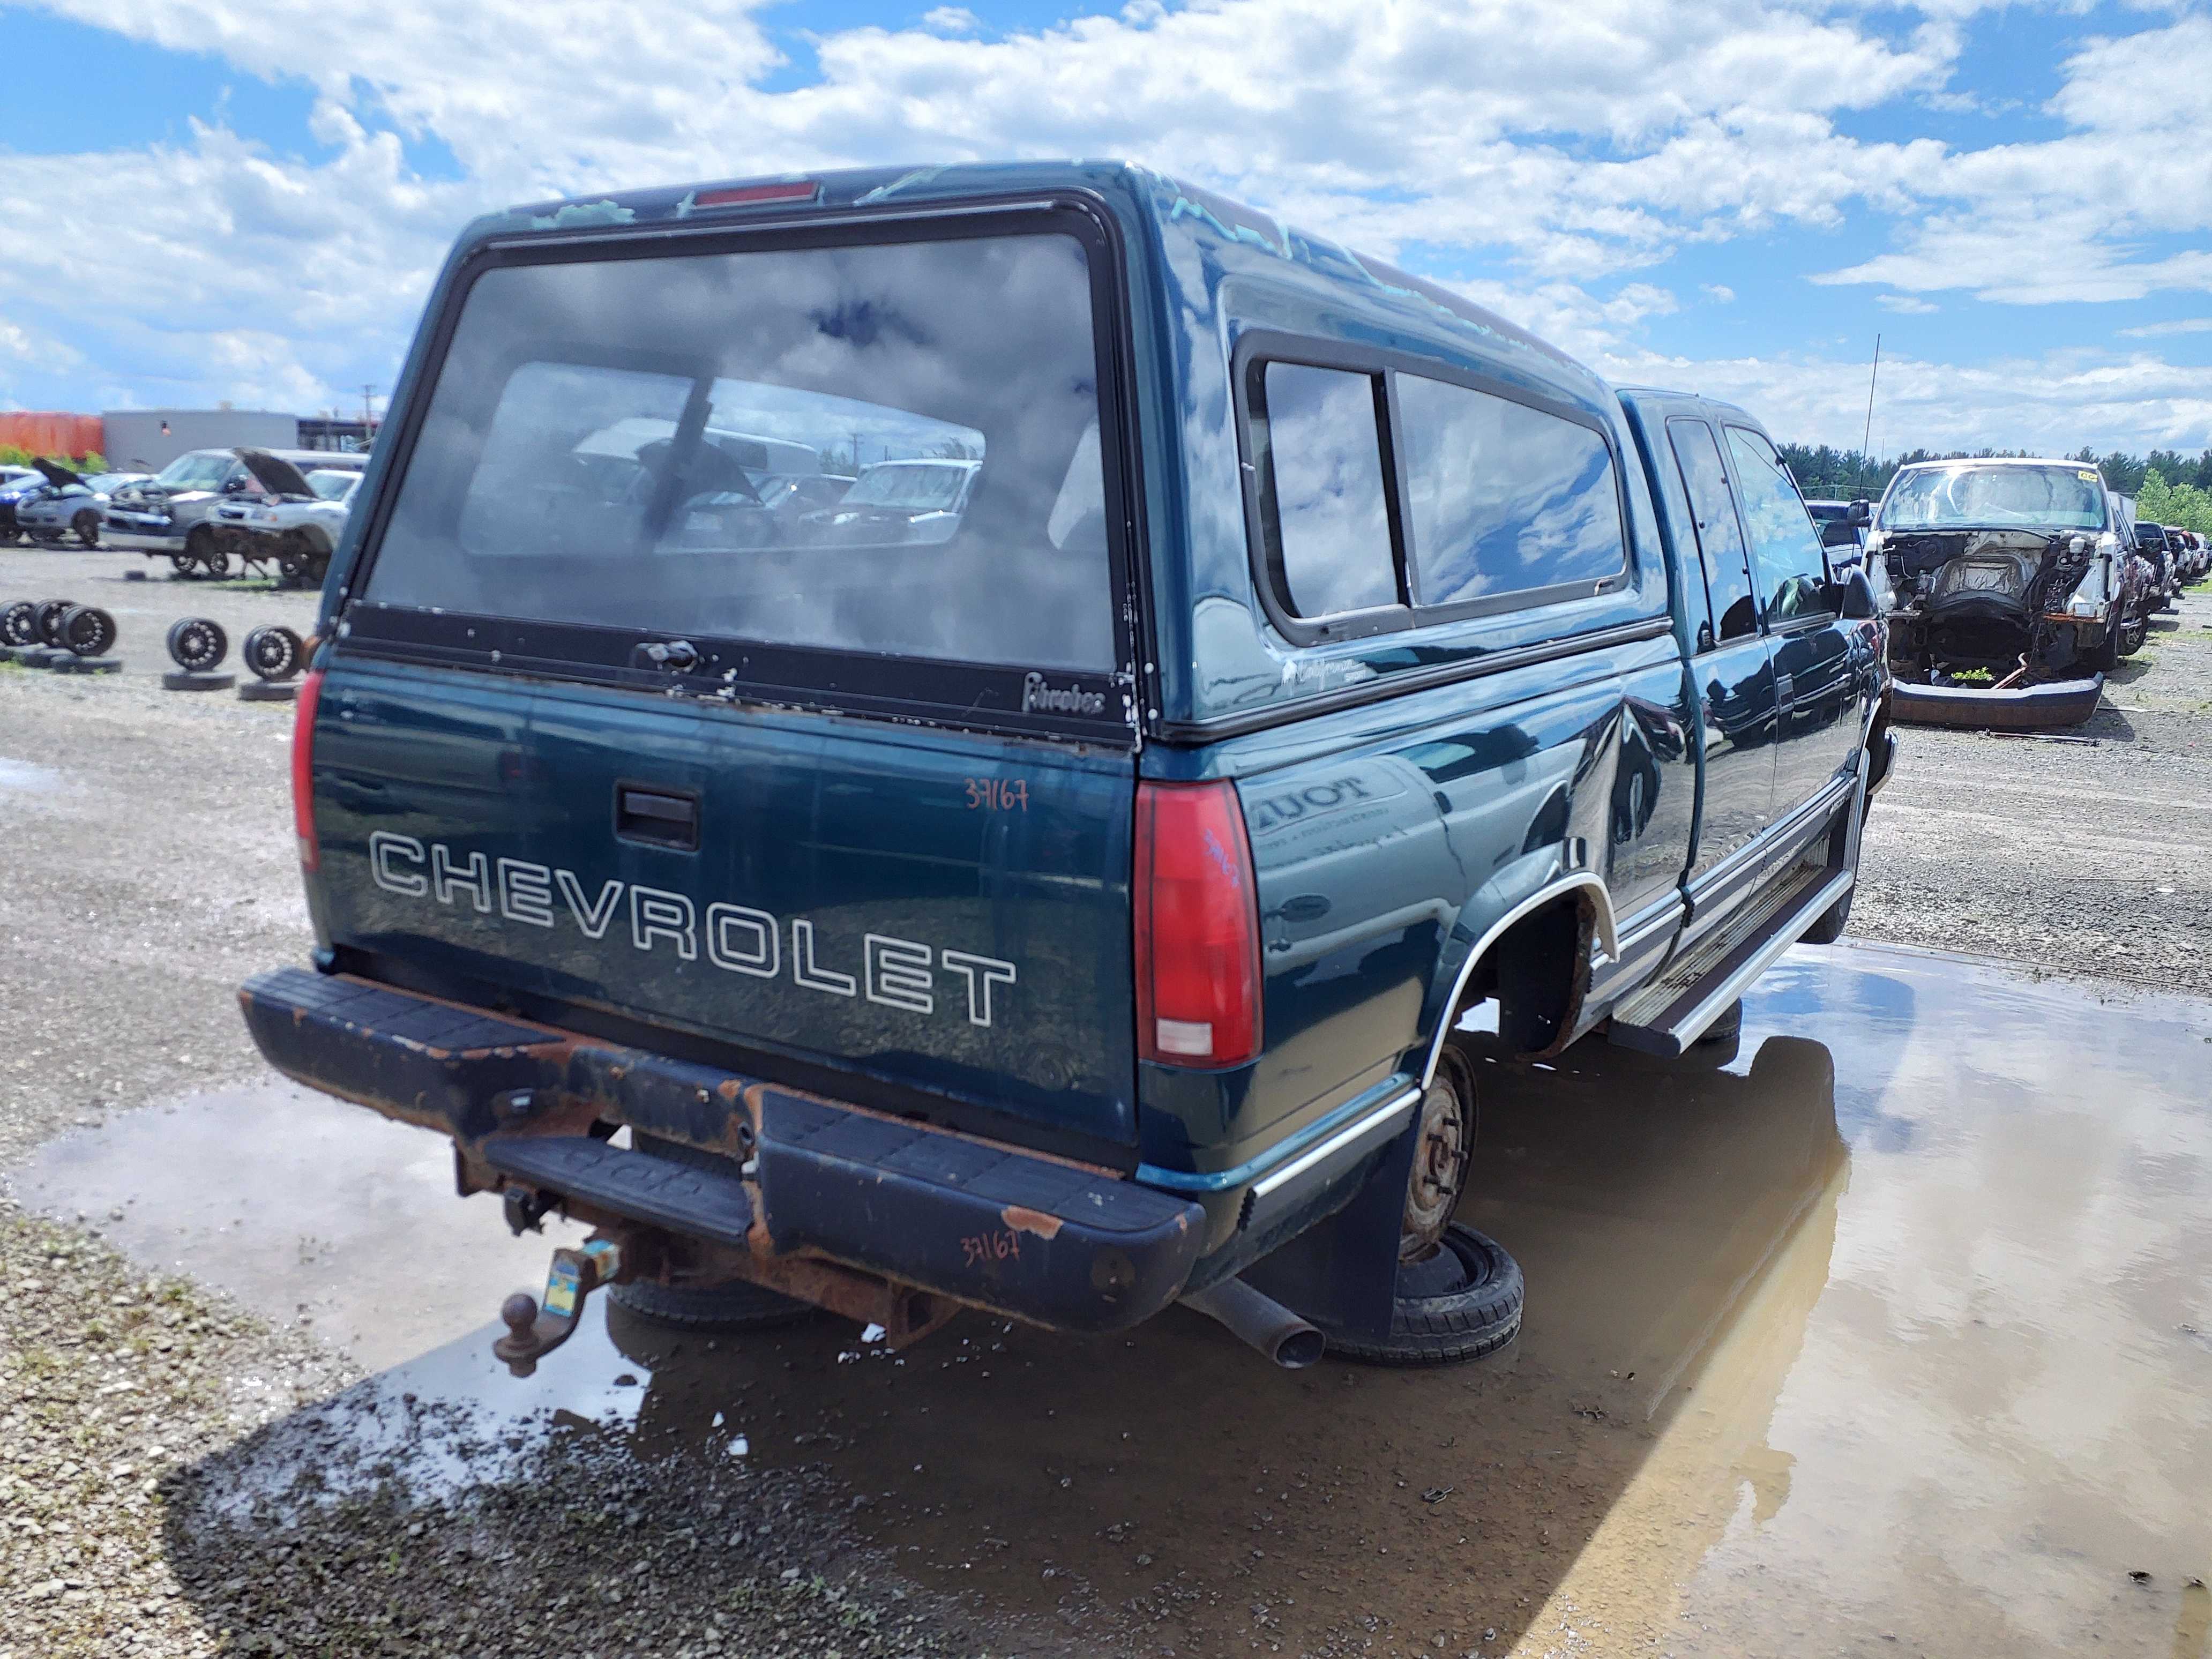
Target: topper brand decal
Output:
[
  {"x": 896, "y": 973},
  {"x": 1040, "y": 698}
]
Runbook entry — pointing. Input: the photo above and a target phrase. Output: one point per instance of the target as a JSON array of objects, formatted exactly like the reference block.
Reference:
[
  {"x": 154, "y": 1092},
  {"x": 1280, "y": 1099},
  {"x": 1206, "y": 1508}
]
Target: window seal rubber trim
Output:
[{"x": 1418, "y": 679}]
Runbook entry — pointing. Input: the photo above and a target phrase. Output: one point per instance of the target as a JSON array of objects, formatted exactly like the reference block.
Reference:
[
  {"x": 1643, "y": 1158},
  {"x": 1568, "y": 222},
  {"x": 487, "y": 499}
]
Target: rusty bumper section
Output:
[
  {"x": 809, "y": 1196},
  {"x": 2060, "y": 702}
]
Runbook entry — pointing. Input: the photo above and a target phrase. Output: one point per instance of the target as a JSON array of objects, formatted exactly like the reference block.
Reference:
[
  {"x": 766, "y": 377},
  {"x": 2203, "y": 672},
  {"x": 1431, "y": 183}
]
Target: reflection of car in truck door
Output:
[
  {"x": 1817, "y": 681},
  {"x": 1730, "y": 663}
]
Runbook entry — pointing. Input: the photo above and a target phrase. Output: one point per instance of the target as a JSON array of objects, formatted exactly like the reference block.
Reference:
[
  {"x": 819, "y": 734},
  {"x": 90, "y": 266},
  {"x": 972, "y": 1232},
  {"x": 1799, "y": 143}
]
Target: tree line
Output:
[
  {"x": 1828, "y": 474},
  {"x": 2168, "y": 487}
]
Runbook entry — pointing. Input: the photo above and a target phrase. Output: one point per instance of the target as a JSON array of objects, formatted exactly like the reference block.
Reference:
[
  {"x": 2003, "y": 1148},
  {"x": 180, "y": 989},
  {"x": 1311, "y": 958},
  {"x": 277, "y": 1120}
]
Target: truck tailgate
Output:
[{"x": 943, "y": 913}]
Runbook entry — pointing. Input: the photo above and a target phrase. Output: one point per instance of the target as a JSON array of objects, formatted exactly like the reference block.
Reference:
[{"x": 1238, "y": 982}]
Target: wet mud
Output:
[{"x": 1890, "y": 1333}]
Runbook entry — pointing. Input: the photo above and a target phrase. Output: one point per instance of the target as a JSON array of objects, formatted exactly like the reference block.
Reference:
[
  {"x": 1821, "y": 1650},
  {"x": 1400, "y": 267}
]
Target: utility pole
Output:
[
  {"x": 1858, "y": 488},
  {"x": 367, "y": 419}
]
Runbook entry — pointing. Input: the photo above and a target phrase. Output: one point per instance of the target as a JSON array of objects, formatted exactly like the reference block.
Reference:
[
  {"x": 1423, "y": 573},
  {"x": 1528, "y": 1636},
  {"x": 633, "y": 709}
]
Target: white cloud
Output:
[
  {"x": 2158, "y": 331},
  {"x": 1576, "y": 148},
  {"x": 2069, "y": 218},
  {"x": 2054, "y": 401},
  {"x": 1906, "y": 304}
]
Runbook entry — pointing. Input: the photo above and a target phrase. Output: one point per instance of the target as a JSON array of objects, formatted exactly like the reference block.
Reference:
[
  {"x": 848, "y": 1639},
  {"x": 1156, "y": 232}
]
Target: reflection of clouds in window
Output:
[
  {"x": 1503, "y": 497},
  {"x": 875, "y": 448},
  {"x": 1783, "y": 539},
  {"x": 1326, "y": 460},
  {"x": 2043, "y": 497}
]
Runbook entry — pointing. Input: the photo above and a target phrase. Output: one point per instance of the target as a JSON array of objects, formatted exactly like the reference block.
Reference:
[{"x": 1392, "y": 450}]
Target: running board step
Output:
[
  {"x": 657, "y": 1191},
  {"x": 1675, "y": 1009}
]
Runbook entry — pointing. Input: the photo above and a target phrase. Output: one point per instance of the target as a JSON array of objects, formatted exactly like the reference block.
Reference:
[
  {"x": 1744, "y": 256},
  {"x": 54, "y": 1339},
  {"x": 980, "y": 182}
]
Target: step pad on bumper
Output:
[
  {"x": 1034, "y": 1237},
  {"x": 654, "y": 1190}
]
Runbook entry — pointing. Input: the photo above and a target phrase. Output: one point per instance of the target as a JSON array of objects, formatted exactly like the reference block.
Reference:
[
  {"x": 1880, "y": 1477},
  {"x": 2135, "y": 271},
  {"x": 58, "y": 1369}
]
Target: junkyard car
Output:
[
  {"x": 296, "y": 520},
  {"x": 921, "y": 500},
  {"x": 1069, "y": 912},
  {"x": 16, "y": 483},
  {"x": 2160, "y": 584},
  {"x": 71, "y": 504},
  {"x": 2010, "y": 587},
  {"x": 171, "y": 515},
  {"x": 2188, "y": 552}
]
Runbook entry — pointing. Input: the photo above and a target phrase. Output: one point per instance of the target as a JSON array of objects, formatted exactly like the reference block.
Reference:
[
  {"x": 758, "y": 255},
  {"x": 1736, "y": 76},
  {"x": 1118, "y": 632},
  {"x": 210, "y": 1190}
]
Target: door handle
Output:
[
  {"x": 659, "y": 817},
  {"x": 677, "y": 656}
]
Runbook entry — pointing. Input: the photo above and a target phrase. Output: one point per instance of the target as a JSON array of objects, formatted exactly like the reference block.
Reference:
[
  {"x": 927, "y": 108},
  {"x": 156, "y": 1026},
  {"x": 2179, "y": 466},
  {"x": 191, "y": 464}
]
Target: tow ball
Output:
[{"x": 532, "y": 1331}]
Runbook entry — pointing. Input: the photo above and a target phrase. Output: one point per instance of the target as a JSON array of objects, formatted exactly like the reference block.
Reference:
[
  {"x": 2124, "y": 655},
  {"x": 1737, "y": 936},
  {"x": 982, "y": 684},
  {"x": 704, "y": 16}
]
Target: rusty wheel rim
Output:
[{"x": 1444, "y": 1147}]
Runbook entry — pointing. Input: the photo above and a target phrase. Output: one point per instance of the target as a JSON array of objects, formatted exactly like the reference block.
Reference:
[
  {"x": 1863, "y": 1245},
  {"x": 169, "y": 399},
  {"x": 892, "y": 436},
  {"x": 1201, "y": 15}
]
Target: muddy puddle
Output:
[{"x": 1893, "y": 1335}]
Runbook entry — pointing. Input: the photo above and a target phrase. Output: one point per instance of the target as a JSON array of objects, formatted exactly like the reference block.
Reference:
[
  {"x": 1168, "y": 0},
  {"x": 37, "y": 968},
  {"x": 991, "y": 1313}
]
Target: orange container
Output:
[{"x": 43, "y": 433}]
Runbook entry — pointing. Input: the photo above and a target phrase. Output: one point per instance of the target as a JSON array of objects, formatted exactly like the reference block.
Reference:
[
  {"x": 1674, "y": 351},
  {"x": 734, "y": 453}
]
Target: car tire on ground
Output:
[
  {"x": 196, "y": 644},
  {"x": 273, "y": 653},
  {"x": 87, "y": 630},
  {"x": 1463, "y": 1302},
  {"x": 1729, "y": 1024},
  {"x": 86, "y": 525},
  {"x": 1833, "y": 920},
  {"x": 19, "y": 624},
  {"x": 2132, "y": 636},
  {"x": 50, "y": 614},
  {"x": 737, "y": 1306},
  {"x": 183, "y": 563}
]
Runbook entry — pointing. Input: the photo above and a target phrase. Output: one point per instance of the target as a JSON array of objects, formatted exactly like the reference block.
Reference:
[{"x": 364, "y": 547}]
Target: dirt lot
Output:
[
  {"x": 2089, "y": 854},
  {"x": 190, "y": 1469}
]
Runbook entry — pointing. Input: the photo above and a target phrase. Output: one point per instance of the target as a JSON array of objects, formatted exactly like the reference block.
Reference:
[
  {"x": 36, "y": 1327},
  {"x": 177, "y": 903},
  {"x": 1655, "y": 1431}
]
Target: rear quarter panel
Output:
[{"x": 1386, "y": 839}]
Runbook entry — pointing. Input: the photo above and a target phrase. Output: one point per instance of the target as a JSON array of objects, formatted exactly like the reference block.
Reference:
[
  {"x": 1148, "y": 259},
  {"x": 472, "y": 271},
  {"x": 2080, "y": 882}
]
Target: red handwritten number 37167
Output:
[{"x": 991, "y": 1246}]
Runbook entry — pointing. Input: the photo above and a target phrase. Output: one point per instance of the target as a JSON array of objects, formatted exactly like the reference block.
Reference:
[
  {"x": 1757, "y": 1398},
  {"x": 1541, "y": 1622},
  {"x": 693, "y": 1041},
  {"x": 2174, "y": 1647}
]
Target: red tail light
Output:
[
  {"x": 796, "y": 190},
  {"x": 303, "y": 770},
  {"x": 1197, "y": 927}
]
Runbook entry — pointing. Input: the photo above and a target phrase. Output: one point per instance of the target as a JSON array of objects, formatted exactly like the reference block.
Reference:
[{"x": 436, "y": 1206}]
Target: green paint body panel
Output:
[{"x": 936, "y": 952}]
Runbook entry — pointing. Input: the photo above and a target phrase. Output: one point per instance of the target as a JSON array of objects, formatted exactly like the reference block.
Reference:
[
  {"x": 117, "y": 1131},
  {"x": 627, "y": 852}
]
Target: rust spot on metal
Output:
[
  {"x": 1025, "y": 1220},
  {"x": 729, "y": 1088}
]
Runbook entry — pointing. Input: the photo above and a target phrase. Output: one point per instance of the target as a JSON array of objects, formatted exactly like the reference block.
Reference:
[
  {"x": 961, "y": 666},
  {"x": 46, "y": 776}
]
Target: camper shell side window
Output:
[{"x": 1386, "y": 491}]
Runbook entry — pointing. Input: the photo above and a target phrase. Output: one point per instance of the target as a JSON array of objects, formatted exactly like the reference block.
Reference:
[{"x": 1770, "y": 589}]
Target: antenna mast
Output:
[{"x": 1860, "y": 483}]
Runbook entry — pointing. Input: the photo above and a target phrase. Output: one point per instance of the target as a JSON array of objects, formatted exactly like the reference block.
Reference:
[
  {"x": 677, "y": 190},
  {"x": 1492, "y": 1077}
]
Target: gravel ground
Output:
[
  {"x": 150, "y": 869},
  {"x": 2087, "y": 854}
]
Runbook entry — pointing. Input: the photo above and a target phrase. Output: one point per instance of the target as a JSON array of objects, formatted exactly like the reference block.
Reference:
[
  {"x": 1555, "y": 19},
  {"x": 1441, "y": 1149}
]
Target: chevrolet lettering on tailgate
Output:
[{"x": 899, "y": 973}]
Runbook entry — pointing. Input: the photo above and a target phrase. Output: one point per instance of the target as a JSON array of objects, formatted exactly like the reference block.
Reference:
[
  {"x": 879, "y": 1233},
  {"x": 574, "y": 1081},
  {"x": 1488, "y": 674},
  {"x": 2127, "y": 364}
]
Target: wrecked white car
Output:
[{"x": 2011, "y": 589}]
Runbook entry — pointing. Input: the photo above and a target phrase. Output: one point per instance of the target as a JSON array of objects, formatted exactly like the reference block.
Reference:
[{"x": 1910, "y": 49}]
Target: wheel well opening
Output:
[{"x": 1532, "y": 979}]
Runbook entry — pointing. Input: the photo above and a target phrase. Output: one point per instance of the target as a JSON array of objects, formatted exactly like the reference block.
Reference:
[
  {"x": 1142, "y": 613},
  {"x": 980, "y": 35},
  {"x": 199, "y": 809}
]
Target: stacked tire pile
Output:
[
  {"x": 60, "y": 634},
  {"x": 197, "y": 647},
  {"x": 69, "y": 638}
]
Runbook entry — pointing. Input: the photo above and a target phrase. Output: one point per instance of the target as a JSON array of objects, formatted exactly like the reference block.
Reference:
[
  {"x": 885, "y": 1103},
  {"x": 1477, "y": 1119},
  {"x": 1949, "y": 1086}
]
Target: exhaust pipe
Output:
[{"x": 1259, "y": 1321}]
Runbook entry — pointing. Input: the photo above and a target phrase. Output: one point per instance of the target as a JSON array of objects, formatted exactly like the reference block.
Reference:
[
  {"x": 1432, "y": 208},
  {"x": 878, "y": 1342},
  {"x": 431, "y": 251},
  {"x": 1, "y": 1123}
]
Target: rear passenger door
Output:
[
  {"x": 1729, "y": 663},
  {"x": 1817, "y": 677}
]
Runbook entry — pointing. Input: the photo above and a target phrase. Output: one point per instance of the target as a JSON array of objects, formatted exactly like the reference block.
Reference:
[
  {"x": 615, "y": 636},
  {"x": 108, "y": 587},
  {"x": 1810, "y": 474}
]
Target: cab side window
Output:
[
  {"x": 1719, "y": 541},
  {"x": 1783, "y": 541},
  {"x": 1316, "y": 436}
]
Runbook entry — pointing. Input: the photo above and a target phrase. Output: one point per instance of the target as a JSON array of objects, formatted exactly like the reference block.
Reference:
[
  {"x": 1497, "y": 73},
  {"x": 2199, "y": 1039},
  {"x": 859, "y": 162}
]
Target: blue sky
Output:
[{"x": 247, "y": 203}]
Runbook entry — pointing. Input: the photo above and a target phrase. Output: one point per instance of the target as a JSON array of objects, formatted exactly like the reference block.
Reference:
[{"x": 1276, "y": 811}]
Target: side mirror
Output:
[
  {"x": 1857, "y": 597},
  {"x": 1859, "y": 514}
]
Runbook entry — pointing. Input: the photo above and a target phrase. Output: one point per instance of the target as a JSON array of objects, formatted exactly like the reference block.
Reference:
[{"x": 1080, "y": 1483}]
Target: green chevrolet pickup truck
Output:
[{"x": 980, "y": 737}]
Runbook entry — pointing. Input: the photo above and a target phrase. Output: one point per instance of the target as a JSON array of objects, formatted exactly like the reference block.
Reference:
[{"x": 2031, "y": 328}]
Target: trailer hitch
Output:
[{"x": 532, "y": 1331}]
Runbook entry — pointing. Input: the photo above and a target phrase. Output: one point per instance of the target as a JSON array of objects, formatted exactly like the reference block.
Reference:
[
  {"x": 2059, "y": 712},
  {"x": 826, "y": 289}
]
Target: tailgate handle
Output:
[{"x": 657, "y": 816}]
